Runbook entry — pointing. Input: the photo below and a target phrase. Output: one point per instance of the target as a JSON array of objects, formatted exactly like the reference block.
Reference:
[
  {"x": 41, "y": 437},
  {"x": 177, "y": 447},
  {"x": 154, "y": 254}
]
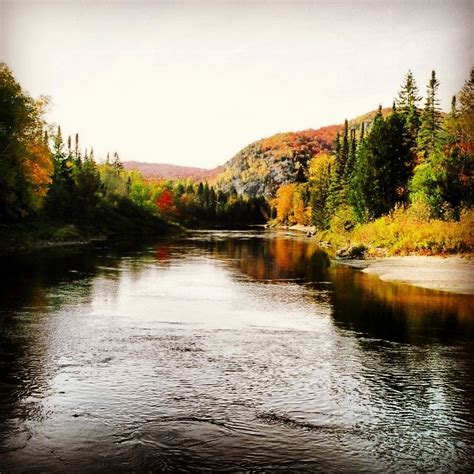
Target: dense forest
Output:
[
  {"x": 53, "y": 189},
  {"x": 399, "y": 179},
  {"x": 403, "y": 181}
]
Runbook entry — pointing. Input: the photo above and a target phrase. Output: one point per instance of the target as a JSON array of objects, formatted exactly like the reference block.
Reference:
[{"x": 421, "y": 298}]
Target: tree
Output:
[
  {"x": 25, "y": 163},
  {"x": 431, "y": 119},
  {"x": 284, "y": 203},
  {"x": 444, "y": 182},
  {"x": 466, "y": 114},
  {"x": 382, "y": 170},
  {"x": 60, "y": 200},
  {"x": 407, "y": 104},
  {"x": 319, "y": 182}
]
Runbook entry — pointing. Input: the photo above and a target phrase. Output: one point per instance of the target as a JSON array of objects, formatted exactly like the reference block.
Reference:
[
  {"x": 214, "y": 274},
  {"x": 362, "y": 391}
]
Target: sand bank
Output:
[{"x": 453, "y": 273}]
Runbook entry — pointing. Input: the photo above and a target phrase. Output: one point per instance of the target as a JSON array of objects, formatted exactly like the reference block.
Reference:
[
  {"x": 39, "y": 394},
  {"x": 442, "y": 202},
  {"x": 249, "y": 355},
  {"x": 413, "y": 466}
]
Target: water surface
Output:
[{"x": 224, "y": 351}]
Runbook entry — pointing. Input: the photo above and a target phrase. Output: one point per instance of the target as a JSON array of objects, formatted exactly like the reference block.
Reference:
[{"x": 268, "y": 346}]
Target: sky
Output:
[{"x": 191, "y": 83}]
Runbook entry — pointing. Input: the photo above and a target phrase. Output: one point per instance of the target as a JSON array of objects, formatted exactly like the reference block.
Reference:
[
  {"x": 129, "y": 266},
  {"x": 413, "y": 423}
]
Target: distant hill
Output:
[
  {"x": 167, "y": 171},
  {"x": 261, "y": 167}
]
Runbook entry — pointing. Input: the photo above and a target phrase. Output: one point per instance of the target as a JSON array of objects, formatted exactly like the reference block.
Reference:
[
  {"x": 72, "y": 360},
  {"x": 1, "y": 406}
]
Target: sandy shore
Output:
[{"x": 453, "y": 273}]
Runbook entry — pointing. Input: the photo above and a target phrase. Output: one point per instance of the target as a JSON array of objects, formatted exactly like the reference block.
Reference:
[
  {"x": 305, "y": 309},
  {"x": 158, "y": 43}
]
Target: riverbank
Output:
[
  {"x": 454, "y": 273},
  {"x": 37, "y": 235}
]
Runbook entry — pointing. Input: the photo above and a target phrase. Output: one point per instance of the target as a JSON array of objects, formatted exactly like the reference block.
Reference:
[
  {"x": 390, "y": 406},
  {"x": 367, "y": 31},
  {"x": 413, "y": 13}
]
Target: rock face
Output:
[{"x": 261, "y": 167}]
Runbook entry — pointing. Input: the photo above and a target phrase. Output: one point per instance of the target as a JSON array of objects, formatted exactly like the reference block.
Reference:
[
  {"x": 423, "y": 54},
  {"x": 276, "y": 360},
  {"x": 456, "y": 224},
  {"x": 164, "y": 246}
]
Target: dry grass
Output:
[{"x": 405, "y": 232}]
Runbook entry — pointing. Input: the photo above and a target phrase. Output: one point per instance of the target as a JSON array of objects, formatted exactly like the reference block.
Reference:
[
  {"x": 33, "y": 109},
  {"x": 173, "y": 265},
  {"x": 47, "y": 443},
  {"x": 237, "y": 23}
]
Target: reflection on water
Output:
[{"x": 228, "y": 350}]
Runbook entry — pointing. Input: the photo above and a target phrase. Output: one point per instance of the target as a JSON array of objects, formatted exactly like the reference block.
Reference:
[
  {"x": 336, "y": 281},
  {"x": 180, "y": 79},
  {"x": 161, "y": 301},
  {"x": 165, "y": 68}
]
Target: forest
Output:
[
  {"x": 402, "y": 182},
  {"x": 52, "y": 189},
  {"x": 399, "y": 181}
]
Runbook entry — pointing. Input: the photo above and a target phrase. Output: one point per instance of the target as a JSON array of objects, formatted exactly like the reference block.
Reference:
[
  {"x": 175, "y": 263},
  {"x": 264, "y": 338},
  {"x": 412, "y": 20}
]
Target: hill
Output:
[
  {"x": 167, "y": 171},
  {"x": 262, "y": 167}
]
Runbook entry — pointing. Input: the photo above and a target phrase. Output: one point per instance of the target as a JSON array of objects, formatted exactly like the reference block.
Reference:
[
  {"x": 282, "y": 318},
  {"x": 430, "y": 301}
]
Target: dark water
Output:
[{"x": 228, "y": 351}]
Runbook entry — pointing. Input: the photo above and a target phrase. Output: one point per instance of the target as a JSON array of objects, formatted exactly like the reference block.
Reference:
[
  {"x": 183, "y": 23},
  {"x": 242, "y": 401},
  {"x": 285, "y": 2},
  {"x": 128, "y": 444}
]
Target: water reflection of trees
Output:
[
  {"x": 398, "y": 312},
  {"x": 363, "y": 303},
  {"x": 271, "y": 259}
]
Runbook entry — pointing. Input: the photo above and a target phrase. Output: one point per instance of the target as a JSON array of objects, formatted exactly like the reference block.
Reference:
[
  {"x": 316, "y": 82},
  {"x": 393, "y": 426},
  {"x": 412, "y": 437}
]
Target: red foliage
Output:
[{"x": 165, "y": 202}]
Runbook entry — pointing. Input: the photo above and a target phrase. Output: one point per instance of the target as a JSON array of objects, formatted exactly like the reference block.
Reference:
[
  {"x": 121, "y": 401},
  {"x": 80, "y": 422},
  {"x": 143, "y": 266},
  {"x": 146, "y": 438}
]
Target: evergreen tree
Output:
[
  {"x": 466, "y": 113},
  {"x": 382, "y": 170},
  {"x": 344, "y": 155},
  {"x": 431, "y": 119},
  {"x": 407, "y": 104},
  {"x": 60, "y": 200},
  {"x": 116, "y": 163},
  {"x": 351, "y": 159}
]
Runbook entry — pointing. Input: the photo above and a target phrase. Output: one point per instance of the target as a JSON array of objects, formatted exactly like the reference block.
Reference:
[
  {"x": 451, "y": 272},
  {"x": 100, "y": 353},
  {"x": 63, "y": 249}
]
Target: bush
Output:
[{"x": 66, "y": 233}]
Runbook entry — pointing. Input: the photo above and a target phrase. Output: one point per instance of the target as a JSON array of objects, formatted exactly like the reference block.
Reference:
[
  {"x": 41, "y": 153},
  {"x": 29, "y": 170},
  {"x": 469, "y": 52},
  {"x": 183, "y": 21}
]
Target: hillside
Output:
[
  {"x": 262, "y": 167},
  {"x": 167, "y": 171}
]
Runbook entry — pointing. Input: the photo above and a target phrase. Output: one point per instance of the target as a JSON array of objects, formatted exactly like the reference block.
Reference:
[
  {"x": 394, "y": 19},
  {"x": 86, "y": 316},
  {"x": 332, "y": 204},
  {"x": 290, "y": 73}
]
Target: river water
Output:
[{"x": 228, "y": 351}]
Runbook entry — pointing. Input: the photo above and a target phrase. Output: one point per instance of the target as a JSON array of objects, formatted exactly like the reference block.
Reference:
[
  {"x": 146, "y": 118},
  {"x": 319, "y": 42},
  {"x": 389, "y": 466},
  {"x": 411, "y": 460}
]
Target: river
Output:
[{"x": 228, "y": 351}]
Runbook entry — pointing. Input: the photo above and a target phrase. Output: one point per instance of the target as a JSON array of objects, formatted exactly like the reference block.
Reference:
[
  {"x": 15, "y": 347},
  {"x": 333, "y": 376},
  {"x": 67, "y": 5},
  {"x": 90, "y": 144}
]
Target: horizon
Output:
[{"x": 190, "y": 85}]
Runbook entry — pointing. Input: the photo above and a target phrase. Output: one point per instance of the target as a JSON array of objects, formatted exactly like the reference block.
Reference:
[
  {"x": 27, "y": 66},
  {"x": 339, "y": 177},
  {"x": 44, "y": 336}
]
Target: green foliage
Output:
[
  {"x": 66, "y": 233},
  {"x": 431, "y": 119},
  {"x": 382, "y": 169},
  {"x": 407, "y": 105},
  {"x": 25, "y": 164},
  {"x": 200, "y": 205}
]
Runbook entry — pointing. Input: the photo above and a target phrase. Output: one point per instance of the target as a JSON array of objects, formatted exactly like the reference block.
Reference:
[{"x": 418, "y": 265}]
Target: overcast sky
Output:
[{"x": 191, "y": 82}]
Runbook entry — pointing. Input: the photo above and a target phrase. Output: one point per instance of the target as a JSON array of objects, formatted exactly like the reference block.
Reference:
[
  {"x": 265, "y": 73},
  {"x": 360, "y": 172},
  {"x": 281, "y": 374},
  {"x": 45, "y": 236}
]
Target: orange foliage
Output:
[
  {"x": 284, "y": 202},
  {"x": 308, "y": 142}
]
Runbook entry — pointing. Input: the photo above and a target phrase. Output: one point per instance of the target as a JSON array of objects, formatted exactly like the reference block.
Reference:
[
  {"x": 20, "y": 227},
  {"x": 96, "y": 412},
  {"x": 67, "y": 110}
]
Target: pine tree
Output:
[
  {"x": 431, "y": 118},
  {"x": 116, "y": 163},
  {"x": 351, "y": 159},
  {"x": 344, "y": 149},
  {"x": 382, "y": 169},
  {"x": 466, "y": 113},
  {"x": 407, "y": 104},
  {"x": 58, "y": 146},
  {"x": 337, "y": 147}
]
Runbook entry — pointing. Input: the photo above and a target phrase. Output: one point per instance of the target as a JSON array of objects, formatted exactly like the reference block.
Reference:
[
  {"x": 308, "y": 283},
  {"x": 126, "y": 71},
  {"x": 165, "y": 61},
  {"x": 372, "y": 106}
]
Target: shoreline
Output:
[
  {"x": 454, "y": 273},
  {"x": 451, "y": 273}
]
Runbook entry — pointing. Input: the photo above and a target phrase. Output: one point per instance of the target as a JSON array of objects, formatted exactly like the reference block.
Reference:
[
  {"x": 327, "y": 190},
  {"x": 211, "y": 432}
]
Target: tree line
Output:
[
  {"x": 49, "y": 180},
  {"x": 413, "y": 156}
]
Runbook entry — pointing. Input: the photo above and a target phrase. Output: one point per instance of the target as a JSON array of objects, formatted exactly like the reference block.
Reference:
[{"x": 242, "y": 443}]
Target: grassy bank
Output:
[
  {"x": 108, "y": 223},
  {"x": 403, "y": 232}
]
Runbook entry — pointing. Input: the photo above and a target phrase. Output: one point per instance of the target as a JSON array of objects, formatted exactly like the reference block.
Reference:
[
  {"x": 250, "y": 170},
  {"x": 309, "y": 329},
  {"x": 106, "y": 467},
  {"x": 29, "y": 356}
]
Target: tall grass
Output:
[{"x": 406, "y": 231}]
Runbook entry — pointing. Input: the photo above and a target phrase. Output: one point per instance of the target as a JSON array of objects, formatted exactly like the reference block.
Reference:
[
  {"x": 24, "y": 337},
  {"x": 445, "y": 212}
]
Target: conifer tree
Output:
[
  {"x": 116, "y": 163},
  {"x": 344, "y": 155},
  {"x": 466, "y": 113},
  {"x": 407, "y": 104},
  {"x": 351, "y": 158},
  {"x": 382, "y": 169},
  {"x": 431, "y": 118}
]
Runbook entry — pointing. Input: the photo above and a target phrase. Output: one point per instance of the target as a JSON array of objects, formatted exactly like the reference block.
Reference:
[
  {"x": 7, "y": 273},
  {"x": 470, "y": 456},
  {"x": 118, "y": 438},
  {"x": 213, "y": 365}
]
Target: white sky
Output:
[{"x": 191, "y": 82}]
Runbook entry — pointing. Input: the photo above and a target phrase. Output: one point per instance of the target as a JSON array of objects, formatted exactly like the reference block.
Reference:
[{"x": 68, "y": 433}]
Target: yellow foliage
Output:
[
  {"x": 408, "y": 231},
  {"x": 284, "y": 203},
  {"x": 319, "y": 165}
]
